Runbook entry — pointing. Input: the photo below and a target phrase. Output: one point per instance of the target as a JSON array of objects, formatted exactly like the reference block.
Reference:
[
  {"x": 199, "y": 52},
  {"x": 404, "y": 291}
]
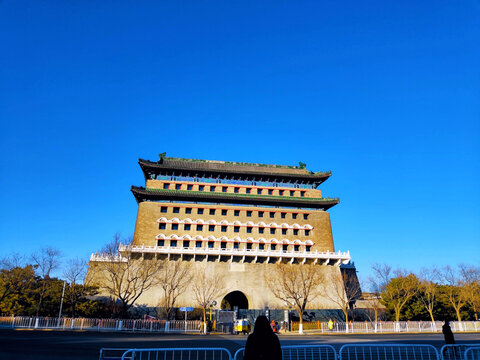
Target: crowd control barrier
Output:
[
  {"x": 472, "y": 353},
  {"x": 456, "y": 351},
  {"x": 300, "y": 352},
  {"x": 178, "y": 354},
  {"x": 388, "y": 352}
]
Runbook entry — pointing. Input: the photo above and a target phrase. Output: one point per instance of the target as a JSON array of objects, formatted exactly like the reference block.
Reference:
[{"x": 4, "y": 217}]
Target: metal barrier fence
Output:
[
  {"x": 388, "y": 352},
  {"x": 173, "y": 326},
  {"x": 300, "y": 352},
  {"x": 388, "y": 326},
  {"x": 455, "y": 352},
  {"x": 472, "y": 353},
  {"x": 178, "y": 354}
]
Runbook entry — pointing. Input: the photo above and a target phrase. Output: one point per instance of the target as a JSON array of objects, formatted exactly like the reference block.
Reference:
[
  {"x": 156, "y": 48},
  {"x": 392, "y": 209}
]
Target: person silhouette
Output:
[
  {"x": 262, "y": 344},
  {"x": 447, "y": 333}
]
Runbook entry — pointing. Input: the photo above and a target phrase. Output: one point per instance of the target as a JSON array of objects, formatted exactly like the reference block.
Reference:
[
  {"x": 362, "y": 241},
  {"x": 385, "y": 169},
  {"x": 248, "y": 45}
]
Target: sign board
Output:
[{"x": 186, "y": 308}]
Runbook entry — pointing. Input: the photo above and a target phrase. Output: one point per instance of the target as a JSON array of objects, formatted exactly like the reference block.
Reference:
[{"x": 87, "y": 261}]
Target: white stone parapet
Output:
[{"x": 333, "y": 258}]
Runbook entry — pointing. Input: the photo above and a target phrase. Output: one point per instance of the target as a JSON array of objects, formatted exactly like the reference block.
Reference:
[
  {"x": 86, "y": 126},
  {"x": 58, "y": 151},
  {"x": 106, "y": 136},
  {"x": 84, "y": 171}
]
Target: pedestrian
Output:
[
  {"x": 330, "y": 325},
  {"x": 262, "y": 344},
  {"x": 447, "y": 333}
]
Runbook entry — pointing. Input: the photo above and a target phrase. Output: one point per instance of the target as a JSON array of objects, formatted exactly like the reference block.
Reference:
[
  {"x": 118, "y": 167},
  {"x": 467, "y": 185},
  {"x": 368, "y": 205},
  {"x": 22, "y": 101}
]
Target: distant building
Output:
[{"x": 237, "y": 219}]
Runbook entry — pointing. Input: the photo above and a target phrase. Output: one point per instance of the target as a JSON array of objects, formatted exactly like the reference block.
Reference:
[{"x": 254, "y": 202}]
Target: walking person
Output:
[
  {"x": 262, "y": 344},
  {"x": 449, "y": 339}
]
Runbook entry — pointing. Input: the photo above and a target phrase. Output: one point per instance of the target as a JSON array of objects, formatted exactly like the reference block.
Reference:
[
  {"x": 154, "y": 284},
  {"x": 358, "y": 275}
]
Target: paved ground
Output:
[{"x": 75, "y": 345}]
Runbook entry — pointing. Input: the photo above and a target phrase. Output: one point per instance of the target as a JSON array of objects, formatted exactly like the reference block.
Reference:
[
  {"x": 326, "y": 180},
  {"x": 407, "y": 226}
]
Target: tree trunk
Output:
[
  {"x": 300, "y": 325},
  {"x": 204, "y": 320},
  {"x": 459, "y": 317},
  {"x": 397, "y": 315},
  {"x": 345, "y": 312},
  {"x": 431, "y": 315}
]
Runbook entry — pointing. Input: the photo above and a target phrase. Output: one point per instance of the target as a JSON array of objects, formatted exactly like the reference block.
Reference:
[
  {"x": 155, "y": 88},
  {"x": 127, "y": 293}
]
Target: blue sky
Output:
[{"x": 383, "y": 94}]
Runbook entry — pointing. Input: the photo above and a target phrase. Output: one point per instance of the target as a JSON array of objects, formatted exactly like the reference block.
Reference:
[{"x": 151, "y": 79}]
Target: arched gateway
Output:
[{"x": 234, "y": 299}]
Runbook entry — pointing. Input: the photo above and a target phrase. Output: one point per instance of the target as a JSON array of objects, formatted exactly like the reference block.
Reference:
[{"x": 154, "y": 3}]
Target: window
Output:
[
  {"x": 211, "y": 211},
  {"x": 201, "y": 187},
  {"x": 248, "y": 190},
  {"x": 200, "y": 211},
  {"x": 223, "y": 244},
  {"x": 307, "y": 248},
  {"x": 295, "y": 232},
  {"x": 302, "y": 193},
  {"x": 198, "y": 244},
  {"x": 186, "y": 243},
  {"x": 189, "y": 187},
  {"x": 296, "y": 247},
  {"x": 261, "y": 246},
  {"x": 236, "y": 229},
  {"x": 236, "y": 190},
  {"x": 292, "y": 193},
  {"x": 199, "y": 227},
  {"x": 285, "y": 247},
  {"x": 224, "y": 189},
  {"x": 187, "y": 227},
  {"x": 261, "y": 230},
  {"x": 166, "y": 185},
  {"x": 284, "y": 231},
  {"x": 283, "y": 215},
  {"x": 259, "y": 191},
  {"x": 307, "y": 232},
  {"x": 280, "y": 192},
  {"x": 305, "y": 216},
  {"x": 235, "y": 245},
  {"x": 211, "y": 227},
  {"x": 249, "y": 229},
  {"x": 174, "y": 226},
  {"x": 270, "y": 192},
  {"x": 176, "y": 210},
  {"x": 212, "y": 188},
  {"x": 249, "y": 213},
  {"x": 188, "y": 210},
  {"x": 161, "y": 242},
  {"x": 272, "y": 215},
  {"x": 236, "y": 212},
  {"x": 224, "y": 228},
  {"x": 173, "y": 243},
  {"x": 249, "y": 246},
  {"x": 260, "y": 214},
  {"x": 162, "y": 226},
  {"x": 163, "y": 209},
  {"x": 178, "y": 186},
  {"x": 210, "y": 244},
  {"x": 294, "y": 216},
  {"x": 224, "y": 212},
  {"x": 272, "y": 231},
  {"x": 273, "y": 247}
]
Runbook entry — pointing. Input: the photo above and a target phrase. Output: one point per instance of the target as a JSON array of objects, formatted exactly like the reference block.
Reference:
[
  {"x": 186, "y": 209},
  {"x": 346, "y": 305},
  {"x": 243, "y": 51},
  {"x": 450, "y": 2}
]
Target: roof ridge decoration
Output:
[{"x": 301, "y": 165}]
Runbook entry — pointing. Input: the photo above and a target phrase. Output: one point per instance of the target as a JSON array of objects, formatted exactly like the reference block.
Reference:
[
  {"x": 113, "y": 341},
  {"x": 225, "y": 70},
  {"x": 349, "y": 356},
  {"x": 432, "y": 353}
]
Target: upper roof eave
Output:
[{"x": 150, "y": 167}]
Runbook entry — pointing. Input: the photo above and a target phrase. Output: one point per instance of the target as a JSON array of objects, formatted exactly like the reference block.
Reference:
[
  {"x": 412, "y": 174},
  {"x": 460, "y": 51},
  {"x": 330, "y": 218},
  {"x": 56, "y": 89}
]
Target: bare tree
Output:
[
  {"x": 295, "y": 284},
  {"x": 455, "y": 295},
  {"x": 174, "y": 276},
  {"x": 428, "y": 290},
  {"x": 12, "y": 261},
  {"x": 74, "y": 272},
  {"x": 45, "y": 261},
  {"x": 345, "y": 292},
  {"x": 471, "y": 286},
  {"x": 206, "y": 287},
  {"x": 396, "y": 290},
  {"x": 124, "y": 275}
]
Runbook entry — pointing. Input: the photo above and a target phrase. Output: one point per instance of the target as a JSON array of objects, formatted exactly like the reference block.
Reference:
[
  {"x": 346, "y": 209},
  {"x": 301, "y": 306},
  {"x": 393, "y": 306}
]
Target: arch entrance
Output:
[{"x": 234, "y": 299}]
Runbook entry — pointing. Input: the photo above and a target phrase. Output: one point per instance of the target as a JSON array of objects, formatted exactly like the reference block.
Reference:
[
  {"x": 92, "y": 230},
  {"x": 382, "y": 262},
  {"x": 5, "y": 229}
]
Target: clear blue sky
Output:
[{"x": 386, "y": 95}]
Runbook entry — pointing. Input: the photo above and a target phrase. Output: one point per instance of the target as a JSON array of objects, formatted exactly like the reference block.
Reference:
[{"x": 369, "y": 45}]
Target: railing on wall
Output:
[
  {"x": 387, "y": 327},
  {"x": 172, "y": 326}
]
